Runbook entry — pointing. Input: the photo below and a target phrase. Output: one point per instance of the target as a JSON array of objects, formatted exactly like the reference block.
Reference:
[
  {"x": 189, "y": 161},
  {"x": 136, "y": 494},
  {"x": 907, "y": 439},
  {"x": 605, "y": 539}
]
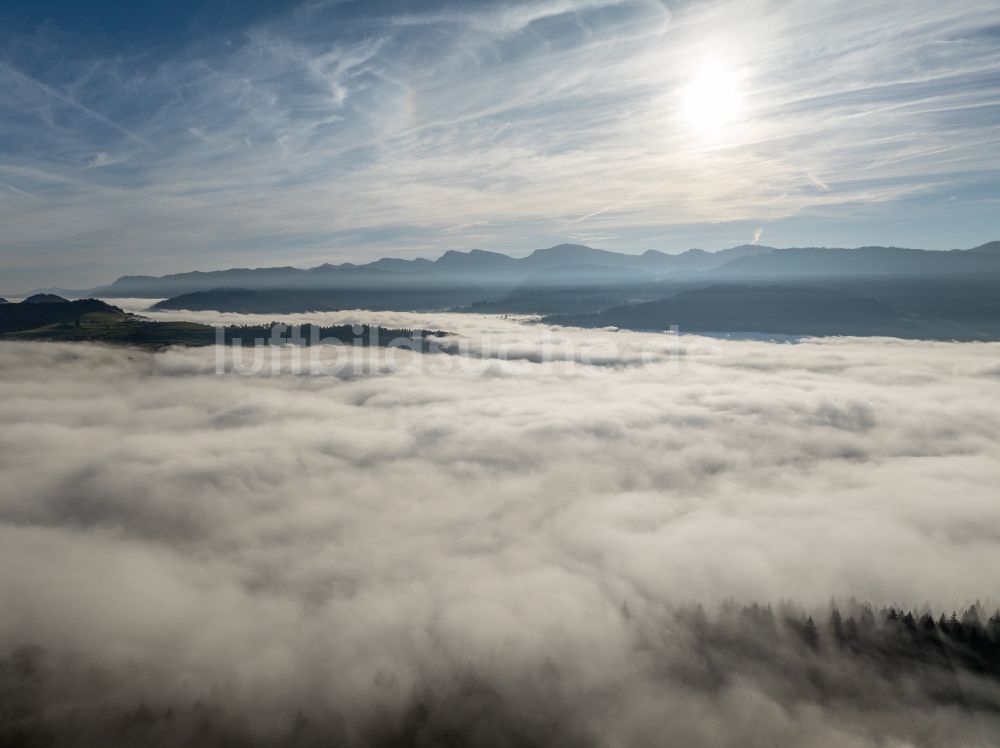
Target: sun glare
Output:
[{"x": 713, "y": 100}]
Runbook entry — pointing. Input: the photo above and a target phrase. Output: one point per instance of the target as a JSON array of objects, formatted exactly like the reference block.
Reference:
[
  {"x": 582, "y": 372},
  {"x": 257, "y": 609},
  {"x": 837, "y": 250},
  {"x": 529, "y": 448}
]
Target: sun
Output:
[{"x": 713, "y": 100}]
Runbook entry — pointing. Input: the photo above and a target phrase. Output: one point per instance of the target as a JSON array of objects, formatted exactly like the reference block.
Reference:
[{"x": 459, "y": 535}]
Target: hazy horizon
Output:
[{"x": 20, "y": 293}]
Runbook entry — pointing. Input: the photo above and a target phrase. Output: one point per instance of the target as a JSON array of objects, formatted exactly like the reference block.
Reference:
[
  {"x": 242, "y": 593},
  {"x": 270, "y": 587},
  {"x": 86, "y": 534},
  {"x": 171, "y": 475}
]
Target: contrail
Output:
[
  {"x": 818, "y": 182},
  {"x": 12, "y": 188},
  {"x": 591, "y": 215},
  {"x": 70, "y": 101}
]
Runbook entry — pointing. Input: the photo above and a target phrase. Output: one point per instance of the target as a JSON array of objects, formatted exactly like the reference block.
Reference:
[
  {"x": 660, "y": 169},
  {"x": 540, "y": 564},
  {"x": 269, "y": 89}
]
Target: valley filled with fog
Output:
[
  {"x": 511, "y": 543},
  {"x": 499, "y": 374}
]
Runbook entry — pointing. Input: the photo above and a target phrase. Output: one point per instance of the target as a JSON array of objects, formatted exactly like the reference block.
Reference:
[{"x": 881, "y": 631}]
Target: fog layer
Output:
[{"x": 338, "y": 543}]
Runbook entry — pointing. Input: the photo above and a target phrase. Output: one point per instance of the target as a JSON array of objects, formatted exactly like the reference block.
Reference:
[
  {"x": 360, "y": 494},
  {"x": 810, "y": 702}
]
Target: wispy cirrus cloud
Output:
[{"x": 340, "y": 131}]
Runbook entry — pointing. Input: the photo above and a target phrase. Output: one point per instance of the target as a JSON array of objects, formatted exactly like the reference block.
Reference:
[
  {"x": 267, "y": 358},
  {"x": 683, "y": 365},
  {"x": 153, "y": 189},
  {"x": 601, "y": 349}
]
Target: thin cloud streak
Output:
[{"x": 71, "y": 102}]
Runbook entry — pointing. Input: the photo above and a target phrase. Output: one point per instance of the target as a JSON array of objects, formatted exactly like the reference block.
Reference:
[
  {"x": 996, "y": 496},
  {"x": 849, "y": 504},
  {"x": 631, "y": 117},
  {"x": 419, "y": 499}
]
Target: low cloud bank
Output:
[{"x": 506, "y": 554}]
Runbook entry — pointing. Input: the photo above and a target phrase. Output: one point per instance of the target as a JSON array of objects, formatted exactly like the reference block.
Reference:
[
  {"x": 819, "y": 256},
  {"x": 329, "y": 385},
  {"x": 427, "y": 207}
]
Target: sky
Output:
[{"x": 164, "y": 137}]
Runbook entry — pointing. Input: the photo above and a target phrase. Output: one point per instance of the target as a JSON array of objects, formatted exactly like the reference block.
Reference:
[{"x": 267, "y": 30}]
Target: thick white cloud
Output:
[{"x": 296, "y": 539}]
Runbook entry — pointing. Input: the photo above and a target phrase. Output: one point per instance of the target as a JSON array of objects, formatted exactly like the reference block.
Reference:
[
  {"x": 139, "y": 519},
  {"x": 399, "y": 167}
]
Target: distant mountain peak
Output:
[
  {"x": 44, "y": 298},
  {"x": 473, "y": 259},
  {"x": 565, "y": 249},
  {"x": 988, "y": 247}
]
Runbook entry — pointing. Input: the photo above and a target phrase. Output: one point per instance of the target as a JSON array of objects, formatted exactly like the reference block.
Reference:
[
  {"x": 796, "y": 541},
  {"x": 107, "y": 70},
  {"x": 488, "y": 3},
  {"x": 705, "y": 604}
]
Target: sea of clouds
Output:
[{"x": 344, "y": 546}]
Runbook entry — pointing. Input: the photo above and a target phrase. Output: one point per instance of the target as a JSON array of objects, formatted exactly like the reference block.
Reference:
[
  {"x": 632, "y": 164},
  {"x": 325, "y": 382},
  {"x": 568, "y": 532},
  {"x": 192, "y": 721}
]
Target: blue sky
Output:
[{"x": 158, "y": 137}]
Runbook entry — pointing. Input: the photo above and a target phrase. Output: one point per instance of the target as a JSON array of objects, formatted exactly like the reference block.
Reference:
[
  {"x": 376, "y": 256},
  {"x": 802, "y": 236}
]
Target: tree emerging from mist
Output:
[{"x": 857, "y": 667}]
